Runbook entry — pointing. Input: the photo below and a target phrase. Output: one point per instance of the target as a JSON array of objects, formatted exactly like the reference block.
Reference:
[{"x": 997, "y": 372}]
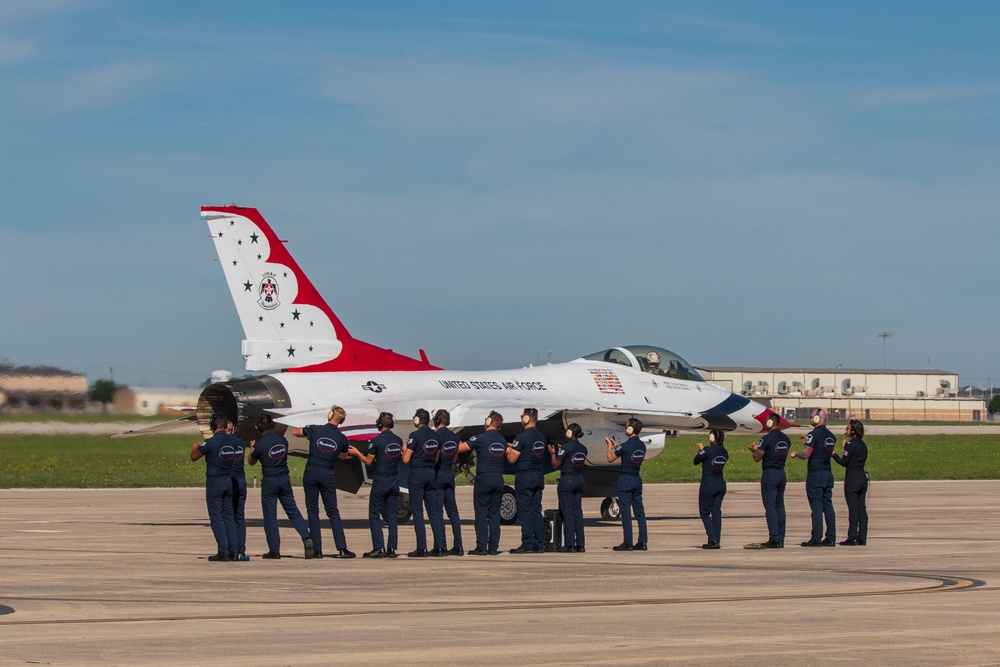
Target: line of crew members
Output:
[{"x": 430, "y": 455}]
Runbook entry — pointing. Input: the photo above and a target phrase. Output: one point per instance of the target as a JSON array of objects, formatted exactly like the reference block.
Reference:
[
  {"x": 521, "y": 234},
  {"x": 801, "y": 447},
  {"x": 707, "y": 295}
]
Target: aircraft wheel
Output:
[
  {"x": 610, "y": 510},
  {"x": 508, "y": 506},
  {"x": 404, "y": 511}
]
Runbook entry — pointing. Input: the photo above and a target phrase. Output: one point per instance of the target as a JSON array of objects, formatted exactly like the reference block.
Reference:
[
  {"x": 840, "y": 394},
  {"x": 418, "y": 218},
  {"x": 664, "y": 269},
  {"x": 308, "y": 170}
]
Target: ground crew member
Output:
[
  {"x": 326, "y": 445},
  {"x": 820, "y": 443},
  {"x": 490, "y": 448},
  {"x": 384, "y": 452},
  {"x": 570, "y": 459},
  {"x": 771, "y": 452},
  {"x": 239, "y": 497},
  {"x": 271, "y": 450},
  {"x": 712, "y": 491},
  {"x": 444, "y": 478},
  {"x": 632, "y": 453},
  {"x": 421, "y": 453},
  {"x": 527, "y": 452},
  {"x": 219, "y": 451},
  {"x": 855, "y": 484}
]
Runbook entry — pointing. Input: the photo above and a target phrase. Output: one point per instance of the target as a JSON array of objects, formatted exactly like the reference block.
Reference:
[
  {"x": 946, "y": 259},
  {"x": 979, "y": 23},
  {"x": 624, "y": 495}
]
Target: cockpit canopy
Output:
[{"x": 648, "y": 359}]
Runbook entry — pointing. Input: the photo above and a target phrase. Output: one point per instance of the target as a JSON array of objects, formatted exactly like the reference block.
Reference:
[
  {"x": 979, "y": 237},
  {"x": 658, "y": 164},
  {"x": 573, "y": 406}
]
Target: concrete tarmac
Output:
[{"x": 119, "y": 577}]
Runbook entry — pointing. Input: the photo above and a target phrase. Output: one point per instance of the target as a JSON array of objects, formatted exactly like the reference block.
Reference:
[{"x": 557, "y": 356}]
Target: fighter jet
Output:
[{"x": 313, "y": 362}]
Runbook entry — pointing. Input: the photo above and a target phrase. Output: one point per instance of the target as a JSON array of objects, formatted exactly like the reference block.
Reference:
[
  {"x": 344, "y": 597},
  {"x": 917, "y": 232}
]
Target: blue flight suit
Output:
[
  {"x": 712, "y": 460},
  {"x": 819, "y": 483},
  {"x": 573, "y": 456},
  {"x": 632, "y": 452},
  {"x": 529, "y": 482},
  {"x": 387, "y": 448},
  {"x": 855, "y": 488},
  {"x": 276, "y": 486},
  {"x": 219, "y": 451},
  {"x": 444, "y": 481},
  {"x": 239, "y": 499},
  {"x": 775, "y": 446},
  {"x": 326, "y": 444},
  {"x": 490, "y": 449},
  {"x": 423, "y": 491}
]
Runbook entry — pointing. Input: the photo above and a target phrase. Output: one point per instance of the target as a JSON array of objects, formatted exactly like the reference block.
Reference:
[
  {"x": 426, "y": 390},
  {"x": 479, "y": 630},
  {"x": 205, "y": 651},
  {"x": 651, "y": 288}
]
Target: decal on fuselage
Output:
[
  {"x": 492, "y": 384},
  {"x": 607, "y": 381}
]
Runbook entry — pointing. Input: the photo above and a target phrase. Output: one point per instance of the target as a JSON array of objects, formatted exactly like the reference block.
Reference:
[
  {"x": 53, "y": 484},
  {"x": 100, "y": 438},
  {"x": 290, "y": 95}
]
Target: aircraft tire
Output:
[
  {"x": 403, "y": 511},
  {"x": 508, "y": 506},
  {"x": 610, "y": 511}
]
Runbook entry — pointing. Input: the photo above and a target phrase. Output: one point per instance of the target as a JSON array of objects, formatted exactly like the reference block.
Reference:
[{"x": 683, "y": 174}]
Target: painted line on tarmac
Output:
[{"x": 943, "y": 584}]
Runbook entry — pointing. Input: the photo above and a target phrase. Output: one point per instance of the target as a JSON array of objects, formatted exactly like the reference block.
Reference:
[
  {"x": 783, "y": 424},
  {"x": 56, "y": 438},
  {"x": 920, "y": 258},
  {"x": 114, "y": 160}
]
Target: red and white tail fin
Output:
[{"x": 288, "y": 325}]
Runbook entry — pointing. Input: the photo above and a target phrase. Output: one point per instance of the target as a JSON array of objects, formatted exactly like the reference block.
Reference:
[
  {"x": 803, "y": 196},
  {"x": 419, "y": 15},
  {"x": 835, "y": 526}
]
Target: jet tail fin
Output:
[{"x": 287, "y": 324}]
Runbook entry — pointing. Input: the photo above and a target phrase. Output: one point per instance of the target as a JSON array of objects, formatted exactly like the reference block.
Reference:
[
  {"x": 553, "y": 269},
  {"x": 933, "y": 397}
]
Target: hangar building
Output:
[
  {"x": 38, "y": 387},
  {"x": 860, "y": 393}
]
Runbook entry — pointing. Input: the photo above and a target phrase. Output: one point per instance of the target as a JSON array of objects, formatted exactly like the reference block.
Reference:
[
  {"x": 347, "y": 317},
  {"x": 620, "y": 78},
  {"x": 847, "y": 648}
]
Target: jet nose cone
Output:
[{"x": 782, "y": 422}]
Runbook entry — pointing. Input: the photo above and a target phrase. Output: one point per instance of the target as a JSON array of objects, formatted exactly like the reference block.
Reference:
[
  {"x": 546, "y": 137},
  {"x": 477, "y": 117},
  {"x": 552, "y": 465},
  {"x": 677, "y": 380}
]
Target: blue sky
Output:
[{"x": 743, "y": 183}]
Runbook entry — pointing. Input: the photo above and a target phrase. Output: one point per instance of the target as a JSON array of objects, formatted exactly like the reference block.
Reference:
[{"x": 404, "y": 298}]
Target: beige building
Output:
[
  {"x": 142, "y": 401},
  {"x": 860, "y": 393},
  {"x": 41, "y": 387}
]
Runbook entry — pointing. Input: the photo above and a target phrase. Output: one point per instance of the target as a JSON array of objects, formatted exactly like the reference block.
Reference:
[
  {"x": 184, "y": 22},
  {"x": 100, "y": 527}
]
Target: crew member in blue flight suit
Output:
[
  {"x": 820, "y": 443},
  {"x": 326, "y": 445},
  {"x": 384, "y": 452},
  {"x": 528, "y": 453},
  {"x": 239, "y": 497},
  {"x": 771, "y": 452},
  {"x": 632, "y": 452},
  {"x": 219, "y": 451},
  {"x": 421, "y": 454},
  {"x": 490, "y": 450},
  {"x": 855, "y": 484},
  {"x": 570, "y": 459},
  {"x": 444, "y": 478},
  {"x": 271, "y": 450},
  {"x": 712, "y": 491}
]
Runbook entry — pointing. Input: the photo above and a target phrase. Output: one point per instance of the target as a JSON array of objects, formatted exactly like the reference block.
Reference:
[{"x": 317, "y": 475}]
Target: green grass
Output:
[
  {"x": 81, "y": 461},
  {"x": 81, "y": 418},
  {"x": 889, "y": 457},
  {"x": 85, "y": 461}
]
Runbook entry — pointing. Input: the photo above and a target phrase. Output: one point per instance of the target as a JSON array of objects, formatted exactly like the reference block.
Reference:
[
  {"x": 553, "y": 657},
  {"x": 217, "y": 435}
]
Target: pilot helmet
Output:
[{"x": 653, "y": 357}]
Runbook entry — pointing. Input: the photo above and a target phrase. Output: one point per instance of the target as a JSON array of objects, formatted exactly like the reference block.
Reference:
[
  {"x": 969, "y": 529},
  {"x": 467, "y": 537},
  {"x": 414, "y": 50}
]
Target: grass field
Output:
[
  {"x": 82, "y": 418},
  {"x": 75, "y": 461}
]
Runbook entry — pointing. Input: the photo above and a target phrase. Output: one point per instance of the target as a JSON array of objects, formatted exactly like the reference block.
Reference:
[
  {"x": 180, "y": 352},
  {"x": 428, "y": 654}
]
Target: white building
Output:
[
  {"x": 168, "y": 402},
  {"x": 861, "y": 393}
]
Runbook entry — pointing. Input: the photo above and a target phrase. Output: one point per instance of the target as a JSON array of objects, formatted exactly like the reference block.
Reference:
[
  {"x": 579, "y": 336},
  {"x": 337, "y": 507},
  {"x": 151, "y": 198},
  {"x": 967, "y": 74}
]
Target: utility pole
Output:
[{"x": 883, "y": 335}]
